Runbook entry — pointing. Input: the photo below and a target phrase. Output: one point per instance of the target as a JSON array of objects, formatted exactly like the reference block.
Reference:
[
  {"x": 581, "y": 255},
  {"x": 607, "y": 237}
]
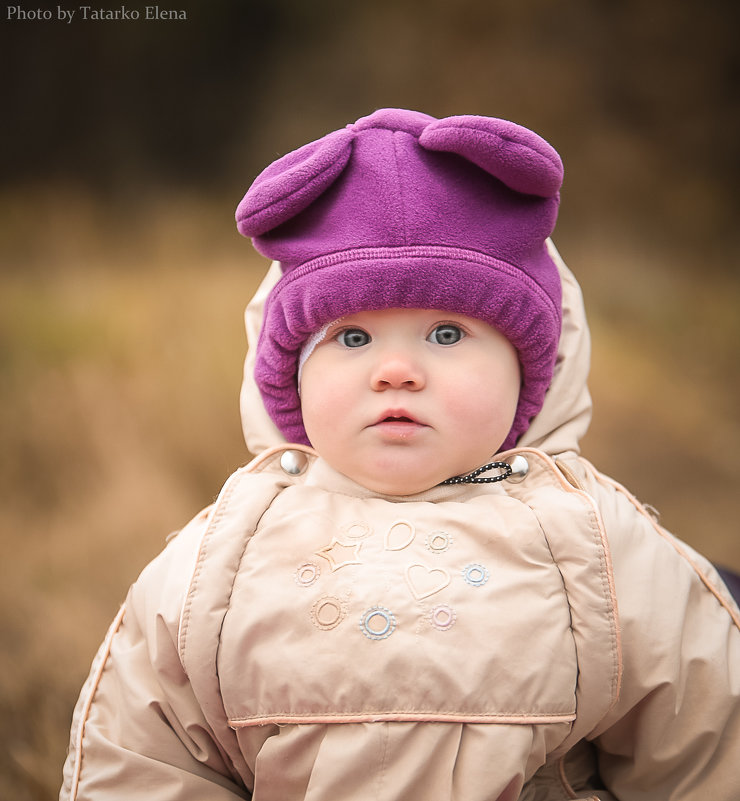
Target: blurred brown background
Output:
[{"x": 125, "y": 147}]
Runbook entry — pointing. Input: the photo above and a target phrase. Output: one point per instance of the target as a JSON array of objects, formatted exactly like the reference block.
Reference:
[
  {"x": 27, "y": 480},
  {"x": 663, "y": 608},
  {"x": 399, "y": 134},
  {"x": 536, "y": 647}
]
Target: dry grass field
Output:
[{"x": 121, "y": 346}]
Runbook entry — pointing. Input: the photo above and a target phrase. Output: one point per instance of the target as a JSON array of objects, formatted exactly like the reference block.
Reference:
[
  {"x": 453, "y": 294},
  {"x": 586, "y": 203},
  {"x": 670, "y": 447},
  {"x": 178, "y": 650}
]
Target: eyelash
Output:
[
  {"x": 463, "y": 332},
  {"x": 337, "y": 336}
]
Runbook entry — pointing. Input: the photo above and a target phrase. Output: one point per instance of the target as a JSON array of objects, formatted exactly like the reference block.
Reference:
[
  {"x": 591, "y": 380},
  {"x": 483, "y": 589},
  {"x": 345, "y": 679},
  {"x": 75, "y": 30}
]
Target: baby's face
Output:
[{"x": 401, "y": 399}]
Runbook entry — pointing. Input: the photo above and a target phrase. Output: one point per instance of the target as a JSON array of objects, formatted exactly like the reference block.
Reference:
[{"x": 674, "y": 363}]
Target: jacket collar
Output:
[{"x": 326, "y": 477}]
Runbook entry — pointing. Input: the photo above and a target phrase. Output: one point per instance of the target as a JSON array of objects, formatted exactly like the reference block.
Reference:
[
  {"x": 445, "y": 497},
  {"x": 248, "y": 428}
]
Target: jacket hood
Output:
[{"x": 559, "y": 426}]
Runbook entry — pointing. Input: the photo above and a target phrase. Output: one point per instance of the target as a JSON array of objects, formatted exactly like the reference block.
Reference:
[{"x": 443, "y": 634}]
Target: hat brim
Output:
[{"x": 431, "y": 277}]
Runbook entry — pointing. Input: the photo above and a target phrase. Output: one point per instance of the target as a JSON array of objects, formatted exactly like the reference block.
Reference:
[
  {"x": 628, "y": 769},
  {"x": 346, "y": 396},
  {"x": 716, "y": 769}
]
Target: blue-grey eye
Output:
[
  {"x": 446, "y": 334},
  {"x": 353, "y": 337}
]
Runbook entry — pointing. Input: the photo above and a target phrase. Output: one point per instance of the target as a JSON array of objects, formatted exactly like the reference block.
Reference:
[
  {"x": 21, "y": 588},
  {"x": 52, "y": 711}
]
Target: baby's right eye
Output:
[{"x": 353, "y": 337}]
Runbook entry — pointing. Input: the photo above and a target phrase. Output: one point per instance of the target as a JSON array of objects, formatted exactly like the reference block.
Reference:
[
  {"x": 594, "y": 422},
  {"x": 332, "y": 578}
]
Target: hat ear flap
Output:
[
  {"x": 522, "y": 160},
  {"x": 292, "y": 183}
]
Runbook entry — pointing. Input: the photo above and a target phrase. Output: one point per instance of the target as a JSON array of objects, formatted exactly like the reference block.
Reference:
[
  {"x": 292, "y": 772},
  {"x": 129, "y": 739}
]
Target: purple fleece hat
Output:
[{"x": 401, "y": 210}]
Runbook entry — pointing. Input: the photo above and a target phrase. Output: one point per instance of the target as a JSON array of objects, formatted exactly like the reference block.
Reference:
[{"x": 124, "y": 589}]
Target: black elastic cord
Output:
[{"x": 472, "y": 478}]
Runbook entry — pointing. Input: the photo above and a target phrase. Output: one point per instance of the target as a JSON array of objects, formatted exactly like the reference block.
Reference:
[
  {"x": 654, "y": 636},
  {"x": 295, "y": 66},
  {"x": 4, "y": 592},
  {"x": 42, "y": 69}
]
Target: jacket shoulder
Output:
[
  {"x": 172, "y": 575},
  {"x": 141, "y": 651},
  {"x": 640, "y": 545}
]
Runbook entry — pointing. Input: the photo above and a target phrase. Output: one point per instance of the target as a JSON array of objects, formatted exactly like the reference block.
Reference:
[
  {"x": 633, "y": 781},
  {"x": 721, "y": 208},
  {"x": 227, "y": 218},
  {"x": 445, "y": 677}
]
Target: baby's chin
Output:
[
  {"x": 403, "y": 484},
  {"x": 398, "y": 489}
]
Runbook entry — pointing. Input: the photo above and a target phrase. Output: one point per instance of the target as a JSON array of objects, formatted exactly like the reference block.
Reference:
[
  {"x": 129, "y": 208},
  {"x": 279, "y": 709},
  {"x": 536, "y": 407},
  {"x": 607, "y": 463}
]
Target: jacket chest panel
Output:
[{"x": 348, "y": 609}]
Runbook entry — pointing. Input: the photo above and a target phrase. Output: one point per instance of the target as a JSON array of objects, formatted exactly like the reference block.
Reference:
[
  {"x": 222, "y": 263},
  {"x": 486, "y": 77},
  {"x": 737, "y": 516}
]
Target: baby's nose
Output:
[{"x": 397, "y": 371}]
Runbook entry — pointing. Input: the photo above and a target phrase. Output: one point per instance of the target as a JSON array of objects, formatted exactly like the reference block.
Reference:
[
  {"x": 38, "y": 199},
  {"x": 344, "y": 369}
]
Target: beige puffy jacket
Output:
[{"x": 541, "y": 638}]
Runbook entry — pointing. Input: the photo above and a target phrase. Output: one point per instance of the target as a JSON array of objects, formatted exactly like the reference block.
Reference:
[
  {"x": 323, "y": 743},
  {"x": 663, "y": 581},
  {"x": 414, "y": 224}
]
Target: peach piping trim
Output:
[
  {"x": 564, "y": 779},
  {"x": 676, "y": 546},
  {"x": 564, "y": 483},
  {"x": 566, "y": 784},
  {"x": 403, "y": 717},
  {"x": 89, "y": 701}
]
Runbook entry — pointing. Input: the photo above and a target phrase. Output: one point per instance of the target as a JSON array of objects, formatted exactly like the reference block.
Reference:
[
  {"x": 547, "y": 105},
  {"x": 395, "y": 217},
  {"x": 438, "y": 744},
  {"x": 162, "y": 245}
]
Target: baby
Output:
[{"x": 418, "y": 589}]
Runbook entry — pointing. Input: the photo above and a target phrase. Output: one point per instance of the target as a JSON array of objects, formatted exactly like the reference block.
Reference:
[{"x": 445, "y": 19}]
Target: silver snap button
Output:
[
  {"x": 294, "y": 462},
  {"x": 519, "y": 468}
]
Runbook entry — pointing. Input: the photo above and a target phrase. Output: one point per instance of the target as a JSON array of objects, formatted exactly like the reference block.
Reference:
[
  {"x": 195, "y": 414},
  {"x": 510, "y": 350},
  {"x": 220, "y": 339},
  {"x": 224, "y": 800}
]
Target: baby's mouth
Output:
[
  {"x": 396, "y": 424},
  {"x": 399, "y": 415}
]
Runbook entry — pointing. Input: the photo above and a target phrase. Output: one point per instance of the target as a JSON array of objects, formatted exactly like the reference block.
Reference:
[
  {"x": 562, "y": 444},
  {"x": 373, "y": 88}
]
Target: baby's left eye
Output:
[{"x": 446, "y": 334}]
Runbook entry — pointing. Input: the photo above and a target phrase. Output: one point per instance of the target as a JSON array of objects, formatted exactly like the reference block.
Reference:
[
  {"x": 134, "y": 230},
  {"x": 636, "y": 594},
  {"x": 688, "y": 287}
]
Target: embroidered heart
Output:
[
  {"x": 399, "y": 536},
  {"x": 424, "y": 581}
]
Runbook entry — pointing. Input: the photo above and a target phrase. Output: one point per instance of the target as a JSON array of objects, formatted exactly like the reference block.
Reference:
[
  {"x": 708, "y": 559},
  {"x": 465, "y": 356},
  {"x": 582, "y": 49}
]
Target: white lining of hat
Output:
[{"x": 309, "y": 346}]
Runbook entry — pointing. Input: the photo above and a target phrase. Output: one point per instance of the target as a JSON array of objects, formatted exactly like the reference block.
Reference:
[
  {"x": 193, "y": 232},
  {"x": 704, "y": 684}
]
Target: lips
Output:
[
  {"x": 398, "y": 426},
  {"x": 397, "y": 416}
]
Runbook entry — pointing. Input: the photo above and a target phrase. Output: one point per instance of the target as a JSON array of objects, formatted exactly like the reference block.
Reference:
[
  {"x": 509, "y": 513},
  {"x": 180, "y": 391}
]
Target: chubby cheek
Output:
[
  {"x": 324, "y": 407},
  {"x": 483, "y": 410},
  {"x": 481, "y": 397}
]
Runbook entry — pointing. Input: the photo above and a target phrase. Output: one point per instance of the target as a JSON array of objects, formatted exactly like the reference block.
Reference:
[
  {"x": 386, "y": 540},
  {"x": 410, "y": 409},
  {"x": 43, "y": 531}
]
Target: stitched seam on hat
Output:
[
  {"x": 415, "y": 252},
  {"x": 390, "y": 126},
  {"x": 401, "y": 198}
]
